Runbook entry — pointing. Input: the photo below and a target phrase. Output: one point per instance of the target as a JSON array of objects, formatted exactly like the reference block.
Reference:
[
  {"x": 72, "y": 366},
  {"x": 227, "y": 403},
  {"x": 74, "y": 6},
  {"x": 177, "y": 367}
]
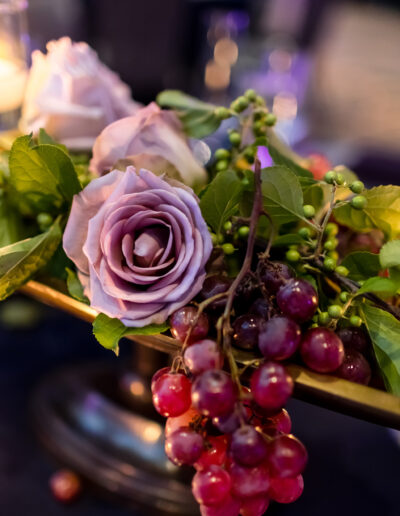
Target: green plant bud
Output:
[
  {"x": 221, "y": 154},
  {"x": 260, "y": 101},
  {"x": 243, "y": 231},
  {"x": 357, "y": 187},
  {"x": 324, "y": 318},
  {"x": 335, "y": 311},
  {"x": 344, "y": 297},
  {"x": 292, "y": 256},
  {"x": 359, "y": 202},
  {"x": 259, "y": 128},
  {"x": 309, "y": 211},
  {"x": 329, "y": 264},
  {"x": 330, "y": 177},
  {"x": 330, "y": 244},
  {"x": 355, "y": 320},
  {"x": 249, "y": 154},
  {"x": 333, "y": 254},
  {"x": 220, "y": 238},
  {"x": 228, "y": 225},
  {"x": 234, "y": 138},
  {"x": 305, "y": 233},
  {"x": 251, "y": 95},
  {"x": 228, "y": 248},
  {"x": 270, "y": 119},
  {"x": 240, "y": 104},
  {"x": 214, "y": 239},
  {"x": 222, "y": 113},
  {"x": 44, "y": 220},
  {"x": 342, "y": 270},
  {"x": 223, "y": 164},
  {"x": 332, "y": 229},
  {"x": 340, "y": 178}
]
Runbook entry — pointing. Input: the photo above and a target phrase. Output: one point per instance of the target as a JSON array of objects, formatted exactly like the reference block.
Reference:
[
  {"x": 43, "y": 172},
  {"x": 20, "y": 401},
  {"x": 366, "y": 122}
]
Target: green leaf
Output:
[
  {"x": 56, "y": 267},
  {"x": 11, "y": 227},
  {"x": 389, "y": 254},
  {"x": 282, "y": 195},
  {"x": 317, "y": 195},
  {"x": 109, "y": 331},
  {"x": 378, "y": 285},
  {"x": 198, "y": 117},
  {"x": 305, "y": 176},
  {"x": 382, "y": 212},
  {"x": 42, "y": 176},
  {"x": 20, "y": 261},
  {"x": 384, "y": 330},
  {"x": 221, "y": 199},
  {"x": 362, "y": 265},
  {"x": 289, "y": 239},
  {"x": 44, "y": 138},
  {"x": 75, "y": 287}
]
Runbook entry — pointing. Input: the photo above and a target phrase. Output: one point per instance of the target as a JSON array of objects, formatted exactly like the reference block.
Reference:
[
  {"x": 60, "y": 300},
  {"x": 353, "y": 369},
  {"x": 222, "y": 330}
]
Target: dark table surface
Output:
[{"x": 354, "y": 467}]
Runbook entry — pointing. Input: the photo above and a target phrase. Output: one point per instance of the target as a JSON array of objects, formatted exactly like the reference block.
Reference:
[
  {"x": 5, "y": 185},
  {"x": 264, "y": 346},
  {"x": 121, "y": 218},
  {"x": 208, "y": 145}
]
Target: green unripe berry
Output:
[
  {"x": 214, "y": 239},
  {"x": 270, "y": 119},
  {"x": 260, "y": 101},
  {"x": 222, "y": 113},
  {"x": 228, "y": 248},
  {"x": 249, "y": 154},
  {"x": 340, "y": 178},
  {"x": 330, "y": 177},
  {"x": 44, "y": 220},
  {"x": 240, "y": 104},
  {"x": 245, "y": 181},
  {"x": 251, "y": 95},
  {"x": 305, "y": 233},
  {"x": 243, "y": 231},
  {"x": 324, "y": 318},
  {"x": 335, "y": 311},
  {"x": 309, "y": 211},
  {"x": 332, "y": 229},
  {"x": 259, "y": 128},
  {"x": 292, "y": 256},
  {"x": 223, "y": 164},
  {"x": 333, "y": 254},
  {"x": 359, "y": 202},
  {"x": 357, "y": 187},
  {"x": 329, "y": 264},
  {"x": 344, "y": 297},
  {"x": 355, "y": 320},
  {"x": 234, "y": 138},
  {"x": 330, "y": 244},
  {"x": 228, "y": 225},
  {"x": 221, "y": 154},
  {"x": 342, "y": 270},
  {"x": 220, "y": 238}
]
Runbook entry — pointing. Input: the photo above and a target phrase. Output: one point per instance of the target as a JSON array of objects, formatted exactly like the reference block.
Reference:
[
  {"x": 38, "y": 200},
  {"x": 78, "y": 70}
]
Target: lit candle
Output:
[{"x": 12, "y": 84}]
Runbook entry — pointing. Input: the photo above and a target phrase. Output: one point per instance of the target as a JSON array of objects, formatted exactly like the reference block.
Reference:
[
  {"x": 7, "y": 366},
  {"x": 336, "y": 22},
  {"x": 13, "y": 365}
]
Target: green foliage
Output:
[
  {"x": 288, "y": 239},
  {"x": 11, "y": 227},
  {"x": 389, "y": 255},
  {"x": 384, "y": 330},
  {"x": 21, "y": 260},
  {"x": 381, "y": 212},
  {"x": 198, "y": 118},
  {"x": 75, "y": 287},
  {"x": 109, "y": 331},
  {"x": 362, "y": 265},
  {"x": 305, "y": 176},
  {"x": 44, "y": 138},
  {"x": 385, "y": 286},
  {"x": 317, "y": 195}
]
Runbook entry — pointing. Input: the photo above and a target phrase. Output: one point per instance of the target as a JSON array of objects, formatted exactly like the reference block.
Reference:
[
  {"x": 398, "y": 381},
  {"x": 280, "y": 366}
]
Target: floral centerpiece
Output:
[{"x": 244, "y": 256}]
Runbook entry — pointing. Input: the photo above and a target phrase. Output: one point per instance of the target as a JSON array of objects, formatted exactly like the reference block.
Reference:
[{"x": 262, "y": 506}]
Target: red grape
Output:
[
  {"x": 184, "y": 446},
  {"x": 182, "y": 320},
  {"x": 214, "y": 452},
  {"x": 298, "y": 300},
  {"x": 281, "y": 422},
  {"x": 287, "y": 456},
  {"x": 254, "y": 506},
  {"x": 203, "y": 355},
  {"x": 157, "y": 375},
  {"x": 279, "y": 338},
  {"x": 228, "y": 423},
  {"x": 246, "y": 329},
  {"x": 274, "y": 275},
  {"x": 213, "y": 393},
  {"x": 353, "y": 337},
  {"x": 261, "y": 307},
  {"x": 286, "y": 490},
  {"x": 322, "y": 350},
  {"x": 271, "y": 386},
  {"x": 211, "y": 486},
  {"x": 248, "y": 446},
  {"x": 173, "y": 423},
  {"x": 215, "y": 284},
  {"x": 249, "y": 481},
  {"x": 171, "y": 394},
  {"x": 229, "y": 507},
  {"x": 354, "y": 368}
]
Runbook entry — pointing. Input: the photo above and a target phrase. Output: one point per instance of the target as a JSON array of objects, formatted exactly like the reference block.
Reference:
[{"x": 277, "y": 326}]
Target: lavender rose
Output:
[
  {"x": 72, "y": 95},
  {"x": 153, "y": 139},
  {"x": 140, "y": 244}
]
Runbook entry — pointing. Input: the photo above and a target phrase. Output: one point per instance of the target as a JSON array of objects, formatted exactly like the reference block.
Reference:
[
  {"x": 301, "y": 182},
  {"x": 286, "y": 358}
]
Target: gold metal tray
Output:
[{"x": 324, "y": 390}]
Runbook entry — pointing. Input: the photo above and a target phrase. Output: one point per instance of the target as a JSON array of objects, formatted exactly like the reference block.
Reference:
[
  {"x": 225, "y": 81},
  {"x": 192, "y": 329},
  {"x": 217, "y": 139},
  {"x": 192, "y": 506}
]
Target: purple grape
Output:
[
  {"x": 171, "y": 394},
  {"x": 262, "y": 308},
  {"x": 211, "y": 486},
  {"x": 287, "y": 456},
  {"x": 274, "y": 275},
  {"x": 279, "y": 338},
  {"x": 286, "y": 490},
  {"x": 213, "y": 393},
  {"x": 255, "y": 506},
  {"x": 246, "y": 329},
  {"x": 228, "y": 423},
  {"x": 354, "y": 338},
  {"x": 203, "y": 355},
  {"x": 298, "y": 300},
  {"x": 248, "y": 446},
  {"x": 215, "y": 284},
  {"x": 228, "y": 507},
  {"x": 354, "y": 368},
  {"x": 181, "y": 321},
  {"x": 184, "y": 446},
  {"x": 271, "y": 386},
  {"x": 322, "y": 350},
  {"x": 249, "y": 481}
]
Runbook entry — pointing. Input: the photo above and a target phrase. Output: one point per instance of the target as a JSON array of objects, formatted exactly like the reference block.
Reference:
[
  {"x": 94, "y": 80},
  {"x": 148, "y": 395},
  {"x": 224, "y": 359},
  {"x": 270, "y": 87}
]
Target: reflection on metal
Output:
[{"x": 324, "y": 390}]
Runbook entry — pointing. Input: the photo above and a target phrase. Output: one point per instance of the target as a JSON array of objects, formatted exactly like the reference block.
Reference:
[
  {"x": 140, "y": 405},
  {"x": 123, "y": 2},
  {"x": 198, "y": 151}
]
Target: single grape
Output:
[
  {"x": 248, "y": 446},
  {"x": 181, "y": 321},
  {"x": 213, "y": 285},
  {"x": 274, "y": 275},
  {"x": 261, "y": 307},
  {"x": 286, "y": 490},
  {"x": 171, "y": 394},
  {"x": 245, "y": 331},
  {"x": 228, "y": 423},
  {"x": 249, "y": 481},
  {"x": 287, "y": 456},
  {"x": 211, "y": 486},
  {"x": 281, "y": 422},
  {"x": 173, "y": 423},
  {"x": 254, "y": 506},
  {"x": 279, "y": 338},
  {"x": 203, "y": 355},
  {"x": 298, "y": 300},
  {"x": 184, "y": 446},
  {"x": 355, "y": 338},
  {"x": 229, "y": 507},
  {"x": 157, "y": 375},
  {"x": 214, "y": 452},
  {"x": 271, "y": 386},
  {"x": 213, "y": 393},
  {"x": 322, "y": 350},
  {"x": 354, "y": 368}
]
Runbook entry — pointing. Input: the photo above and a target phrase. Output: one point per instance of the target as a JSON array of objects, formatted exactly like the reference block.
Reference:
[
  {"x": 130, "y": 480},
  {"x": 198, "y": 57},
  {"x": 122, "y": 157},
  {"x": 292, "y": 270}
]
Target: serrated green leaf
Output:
[
  {"x": 75, "y": 287},
  {"x": 378, "y": 285},
  {"x": 197, "y": 117},
  {"x": 384, "y": 330},
  {"x": 305, "y": 177},
  {"x": 362, "y": 265},
  {"x": 221, "y": 199},
  {"x": 382, "y": 212},
  {"x": 20, "y": 261},
  {"x": 109, "y": 331},
  {"x": 44, "y": 138},
  {"x": 389, "y": 254}
]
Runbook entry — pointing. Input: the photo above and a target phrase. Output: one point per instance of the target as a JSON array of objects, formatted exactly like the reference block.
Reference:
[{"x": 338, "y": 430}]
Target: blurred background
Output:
[{"x": 330, "y": 70}]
